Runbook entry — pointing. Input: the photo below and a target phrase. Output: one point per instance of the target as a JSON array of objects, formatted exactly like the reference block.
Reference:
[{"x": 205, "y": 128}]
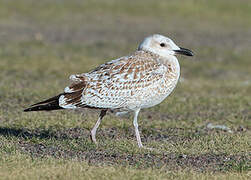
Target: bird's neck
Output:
[
  {"x": 171, "y": 62},
  {"x": 168, "y": 61}
]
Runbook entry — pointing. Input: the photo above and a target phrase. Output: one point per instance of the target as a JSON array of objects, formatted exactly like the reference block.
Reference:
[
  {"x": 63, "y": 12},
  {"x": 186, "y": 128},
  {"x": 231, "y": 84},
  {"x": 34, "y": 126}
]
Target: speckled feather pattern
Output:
[
  {"x": 130, "y": 83},
  {"x": 141, "y": 80}
]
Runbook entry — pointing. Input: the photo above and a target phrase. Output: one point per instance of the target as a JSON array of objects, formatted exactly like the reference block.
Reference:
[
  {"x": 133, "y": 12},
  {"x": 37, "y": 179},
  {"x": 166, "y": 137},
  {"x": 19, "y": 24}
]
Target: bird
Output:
[{"x": 127, "y": 84}]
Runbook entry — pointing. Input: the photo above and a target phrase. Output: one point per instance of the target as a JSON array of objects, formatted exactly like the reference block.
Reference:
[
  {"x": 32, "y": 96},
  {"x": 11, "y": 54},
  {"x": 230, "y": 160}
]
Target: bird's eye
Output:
[{"x": 162, "y": 44}]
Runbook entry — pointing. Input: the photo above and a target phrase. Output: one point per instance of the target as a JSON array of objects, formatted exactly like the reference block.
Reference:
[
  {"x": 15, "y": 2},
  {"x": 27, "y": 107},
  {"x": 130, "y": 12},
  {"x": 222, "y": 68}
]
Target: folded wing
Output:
[{"x": 112, "y": 84}]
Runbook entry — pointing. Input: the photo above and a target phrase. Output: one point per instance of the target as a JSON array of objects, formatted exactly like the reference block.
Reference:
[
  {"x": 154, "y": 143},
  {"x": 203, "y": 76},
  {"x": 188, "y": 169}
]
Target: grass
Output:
[
  {"x": 27, "y": 168},
  {"x": 42, "y": 43}
]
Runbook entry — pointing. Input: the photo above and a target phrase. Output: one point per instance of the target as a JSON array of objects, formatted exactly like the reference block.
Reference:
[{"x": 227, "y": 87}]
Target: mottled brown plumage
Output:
[{"x": 130, "y": 83}]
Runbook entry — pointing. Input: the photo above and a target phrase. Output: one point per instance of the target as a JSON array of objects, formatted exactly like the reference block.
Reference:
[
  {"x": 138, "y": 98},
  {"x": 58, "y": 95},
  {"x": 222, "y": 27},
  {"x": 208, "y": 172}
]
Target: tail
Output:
[{"x": 47, "y": 105}]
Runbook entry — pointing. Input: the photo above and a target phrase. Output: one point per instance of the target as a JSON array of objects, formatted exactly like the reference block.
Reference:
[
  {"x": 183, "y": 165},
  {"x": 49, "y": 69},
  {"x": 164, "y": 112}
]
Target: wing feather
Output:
[{"x": 111, "y": 84}]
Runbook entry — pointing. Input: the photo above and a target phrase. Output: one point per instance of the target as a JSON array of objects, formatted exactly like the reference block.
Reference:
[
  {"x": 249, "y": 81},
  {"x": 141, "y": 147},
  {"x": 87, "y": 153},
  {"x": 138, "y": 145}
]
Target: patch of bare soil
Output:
[{"x": 204, "y": 162}]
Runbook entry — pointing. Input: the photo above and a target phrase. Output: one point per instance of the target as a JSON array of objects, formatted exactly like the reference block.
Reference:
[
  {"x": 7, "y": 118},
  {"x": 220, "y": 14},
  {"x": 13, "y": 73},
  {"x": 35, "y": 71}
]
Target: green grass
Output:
[
  {"x": 27, "y": 168},
  {"x": 43, "y": 42}
]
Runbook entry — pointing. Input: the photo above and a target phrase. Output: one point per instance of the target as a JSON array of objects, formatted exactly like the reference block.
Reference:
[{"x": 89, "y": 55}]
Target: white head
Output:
[{"x": 162, "y": 46}]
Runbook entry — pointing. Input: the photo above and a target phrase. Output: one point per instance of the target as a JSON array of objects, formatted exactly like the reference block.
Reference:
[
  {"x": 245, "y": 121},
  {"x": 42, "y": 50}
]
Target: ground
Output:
[{"x": 43, "y": 42}]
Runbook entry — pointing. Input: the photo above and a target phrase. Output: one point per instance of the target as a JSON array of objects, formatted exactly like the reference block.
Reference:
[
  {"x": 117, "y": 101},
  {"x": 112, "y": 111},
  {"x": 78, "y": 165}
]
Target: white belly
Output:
[{"x": 153, "y": 95}]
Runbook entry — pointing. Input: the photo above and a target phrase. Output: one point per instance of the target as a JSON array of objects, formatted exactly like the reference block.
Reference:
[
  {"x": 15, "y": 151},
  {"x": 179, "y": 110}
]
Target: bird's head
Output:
[{"x": 162, "y": 46}]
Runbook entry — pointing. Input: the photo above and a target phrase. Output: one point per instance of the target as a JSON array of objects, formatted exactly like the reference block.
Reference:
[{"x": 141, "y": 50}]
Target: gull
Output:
[{"x": 130, "y": 83}]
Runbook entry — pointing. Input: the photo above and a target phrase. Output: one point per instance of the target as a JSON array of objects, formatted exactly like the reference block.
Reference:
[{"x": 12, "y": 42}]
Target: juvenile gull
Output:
[{"x": 130, "y": 83}]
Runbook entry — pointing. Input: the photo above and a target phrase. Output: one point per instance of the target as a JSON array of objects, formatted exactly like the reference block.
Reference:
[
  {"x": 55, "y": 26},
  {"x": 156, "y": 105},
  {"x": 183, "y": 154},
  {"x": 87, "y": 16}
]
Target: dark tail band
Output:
[{"x": 47, "y": 105}]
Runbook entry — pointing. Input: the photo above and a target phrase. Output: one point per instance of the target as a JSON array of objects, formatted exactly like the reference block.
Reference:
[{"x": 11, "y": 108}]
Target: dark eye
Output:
[{"x": 162, "y": 44}]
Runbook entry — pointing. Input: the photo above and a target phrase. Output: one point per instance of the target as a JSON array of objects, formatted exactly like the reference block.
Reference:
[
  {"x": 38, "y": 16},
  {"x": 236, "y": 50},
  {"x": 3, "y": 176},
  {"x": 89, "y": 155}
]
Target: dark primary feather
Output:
[{"x": 47, "y": 105}]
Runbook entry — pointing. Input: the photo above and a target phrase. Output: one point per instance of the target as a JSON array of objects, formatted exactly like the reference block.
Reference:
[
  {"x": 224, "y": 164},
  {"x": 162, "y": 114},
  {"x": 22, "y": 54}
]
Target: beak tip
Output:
[{"x": 184, "y": 51}]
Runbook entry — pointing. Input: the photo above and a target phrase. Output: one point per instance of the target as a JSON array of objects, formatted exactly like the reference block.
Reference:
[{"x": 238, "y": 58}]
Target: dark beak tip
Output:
[{"x": 184, "y": 51}]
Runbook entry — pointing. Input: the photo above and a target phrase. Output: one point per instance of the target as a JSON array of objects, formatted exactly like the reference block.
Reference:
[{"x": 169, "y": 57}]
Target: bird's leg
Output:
[
  {"x": 135, "y": 123},
  {"x": 94, "y": 129}
]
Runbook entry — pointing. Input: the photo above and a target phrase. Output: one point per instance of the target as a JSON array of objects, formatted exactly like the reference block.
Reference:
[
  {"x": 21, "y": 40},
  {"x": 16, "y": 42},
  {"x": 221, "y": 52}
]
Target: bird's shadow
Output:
[{"x": 29, "y": 134}]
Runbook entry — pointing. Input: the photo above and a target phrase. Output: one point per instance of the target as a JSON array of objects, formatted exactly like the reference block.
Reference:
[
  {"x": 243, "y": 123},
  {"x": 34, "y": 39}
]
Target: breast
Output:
[{"x": 156, "y": 92}]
